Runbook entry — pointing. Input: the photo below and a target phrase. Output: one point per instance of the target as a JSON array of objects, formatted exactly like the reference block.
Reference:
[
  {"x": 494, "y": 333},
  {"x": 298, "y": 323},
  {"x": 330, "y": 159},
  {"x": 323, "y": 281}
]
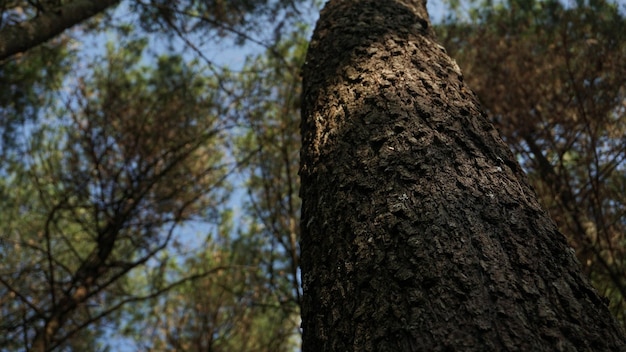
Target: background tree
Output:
[
  {"x": 101, "y": 201},
  {"x": 233, "y": 308},
  {"x": 271, "y": 110},
  {"x": 113, "y": 164},
  {"x": 419, "y": 228},
  {"x": 552, "y": 79},
  {"x": 252, "y": 302}
]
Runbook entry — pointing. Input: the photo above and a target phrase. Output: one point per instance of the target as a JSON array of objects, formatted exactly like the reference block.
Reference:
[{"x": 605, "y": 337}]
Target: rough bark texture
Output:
[
  {"x": 419, "y": 229},
  {"x": 23, "y": 36}
]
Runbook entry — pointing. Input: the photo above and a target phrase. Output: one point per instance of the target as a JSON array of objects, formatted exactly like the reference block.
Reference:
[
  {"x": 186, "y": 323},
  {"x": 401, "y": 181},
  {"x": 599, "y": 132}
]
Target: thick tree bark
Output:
[
  {"x": 419, "y": 229},
  {"x": 23, "y": 36}
]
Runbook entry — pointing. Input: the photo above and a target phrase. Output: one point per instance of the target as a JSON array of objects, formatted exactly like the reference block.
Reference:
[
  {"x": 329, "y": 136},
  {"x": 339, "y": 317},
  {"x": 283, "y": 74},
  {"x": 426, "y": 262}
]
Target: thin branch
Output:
[{"x": 154, "y": 294}]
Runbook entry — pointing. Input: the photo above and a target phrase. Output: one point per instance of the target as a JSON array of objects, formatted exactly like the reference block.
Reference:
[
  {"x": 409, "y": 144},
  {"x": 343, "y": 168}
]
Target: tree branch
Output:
[{"x": 26, "y": 35}]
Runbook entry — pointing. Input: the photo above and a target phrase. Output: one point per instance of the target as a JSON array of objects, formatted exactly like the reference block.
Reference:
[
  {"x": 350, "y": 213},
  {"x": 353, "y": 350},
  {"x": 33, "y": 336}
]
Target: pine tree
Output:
[{"x": 420, "y": 231}]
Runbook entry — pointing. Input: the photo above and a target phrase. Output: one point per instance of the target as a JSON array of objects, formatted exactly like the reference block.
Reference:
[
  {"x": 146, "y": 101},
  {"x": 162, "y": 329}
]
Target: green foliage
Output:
[
  {"x": 273, "y": 140},
  {"x": 105, "y": 168},
  {"x": 27, "y": 84},
  {"x": 110, "y": 165},
  {"x": 245, "y": 294},
  {"x": 226, "y": 306},
  {"x": 96, "y": 193}
]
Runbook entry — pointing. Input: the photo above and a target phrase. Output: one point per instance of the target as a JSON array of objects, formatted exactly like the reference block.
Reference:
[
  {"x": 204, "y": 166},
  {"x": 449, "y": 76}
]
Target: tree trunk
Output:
[{"x": 419, "y": 229}]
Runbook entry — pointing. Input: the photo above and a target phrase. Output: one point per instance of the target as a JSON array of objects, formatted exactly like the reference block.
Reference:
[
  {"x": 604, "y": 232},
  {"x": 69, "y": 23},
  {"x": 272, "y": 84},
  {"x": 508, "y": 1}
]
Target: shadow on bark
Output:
[{"x": 419, "y": 229}]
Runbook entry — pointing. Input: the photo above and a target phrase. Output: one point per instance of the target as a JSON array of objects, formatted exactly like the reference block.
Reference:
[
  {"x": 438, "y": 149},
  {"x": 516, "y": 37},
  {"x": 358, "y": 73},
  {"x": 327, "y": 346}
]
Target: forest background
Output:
[{"x": 149, "y": 160}]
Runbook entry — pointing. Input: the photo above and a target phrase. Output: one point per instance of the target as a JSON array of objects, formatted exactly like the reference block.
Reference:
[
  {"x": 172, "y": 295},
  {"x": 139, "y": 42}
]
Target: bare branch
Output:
[{"x": 26, "y": 35}]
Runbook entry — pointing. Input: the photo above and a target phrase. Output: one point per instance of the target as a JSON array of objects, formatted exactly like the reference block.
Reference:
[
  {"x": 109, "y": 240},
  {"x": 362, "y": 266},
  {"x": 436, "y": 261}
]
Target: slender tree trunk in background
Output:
[{"x": 419, "y": 229}]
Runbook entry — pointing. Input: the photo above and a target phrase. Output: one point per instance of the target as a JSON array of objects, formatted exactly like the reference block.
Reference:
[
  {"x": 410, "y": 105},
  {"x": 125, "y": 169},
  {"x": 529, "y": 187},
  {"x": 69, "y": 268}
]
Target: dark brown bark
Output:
[
  {"x": 419, "y": 229},
  {"x": 25, "y": 35}
]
